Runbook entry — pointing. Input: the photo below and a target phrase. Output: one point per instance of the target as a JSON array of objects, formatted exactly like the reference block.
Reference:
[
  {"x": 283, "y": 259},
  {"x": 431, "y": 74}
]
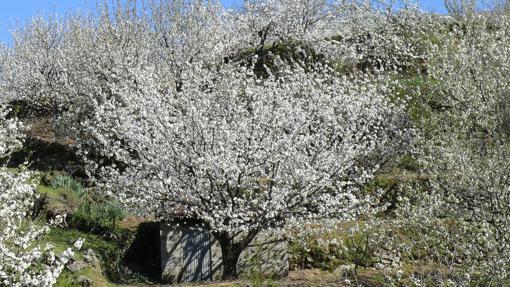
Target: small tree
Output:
[{"x": 243, "y": 155}]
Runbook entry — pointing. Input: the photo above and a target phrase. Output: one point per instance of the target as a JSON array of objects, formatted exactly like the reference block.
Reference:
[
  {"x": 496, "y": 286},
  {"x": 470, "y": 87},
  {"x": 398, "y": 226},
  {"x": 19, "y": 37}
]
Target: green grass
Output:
[
  {"x": 48, "y": 190},
  {"x": 66, "y": 279},
  {"x": 67, "y": 197},
  {"x": 107, "y": 252},
  {"x": 63, "y": 238}
]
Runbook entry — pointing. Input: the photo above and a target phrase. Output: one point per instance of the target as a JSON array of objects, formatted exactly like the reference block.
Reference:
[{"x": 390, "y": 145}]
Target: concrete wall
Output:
[{"x": 193, "y": 254}]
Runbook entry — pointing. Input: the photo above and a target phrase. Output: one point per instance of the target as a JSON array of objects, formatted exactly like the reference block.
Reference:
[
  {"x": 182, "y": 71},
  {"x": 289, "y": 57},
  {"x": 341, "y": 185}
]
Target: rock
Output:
[
  {"x": 389, "y": 259},
  {"x": 344, "y": 270},
  {"x": 84, "y": 281},
  {"x": 90, "y": 257},
  {"x": 77, "y": 265}
]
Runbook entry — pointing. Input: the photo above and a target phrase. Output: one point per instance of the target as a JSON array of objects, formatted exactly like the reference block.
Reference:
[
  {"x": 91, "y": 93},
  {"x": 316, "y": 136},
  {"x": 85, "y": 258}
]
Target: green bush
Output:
[
  {"x": 92, "y": 214},
  {"x": 98, "y": 217},
  {"x": 312, "y": 254},
  {"x": 68, "y": 183},
  {"x": 359, "y": 249}
]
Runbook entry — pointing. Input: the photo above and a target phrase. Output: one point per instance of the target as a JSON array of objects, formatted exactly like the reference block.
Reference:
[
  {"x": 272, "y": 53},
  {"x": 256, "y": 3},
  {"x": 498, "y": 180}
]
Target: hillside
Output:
[{"x": 372, "y": 143}]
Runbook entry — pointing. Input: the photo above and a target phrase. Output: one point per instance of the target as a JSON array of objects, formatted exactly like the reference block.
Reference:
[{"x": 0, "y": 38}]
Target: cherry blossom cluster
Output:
[
  {"x": 10, "y": 134},
  {"x": 22, "y": 261},
  {"x": 467, "y": 155}
]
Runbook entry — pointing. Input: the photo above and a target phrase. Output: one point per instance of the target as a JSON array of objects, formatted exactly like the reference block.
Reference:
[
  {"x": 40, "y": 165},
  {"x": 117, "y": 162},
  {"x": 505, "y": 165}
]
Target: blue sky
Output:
[{"x": 13, "y": 11}]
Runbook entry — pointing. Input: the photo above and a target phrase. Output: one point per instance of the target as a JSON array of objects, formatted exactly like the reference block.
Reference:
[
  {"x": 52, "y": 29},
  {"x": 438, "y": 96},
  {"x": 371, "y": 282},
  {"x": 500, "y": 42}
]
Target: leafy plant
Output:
[
  {"x": 98, "y": 217},
  {"x": 69, "y": 183},
  {"x": 359, "y": 249}
]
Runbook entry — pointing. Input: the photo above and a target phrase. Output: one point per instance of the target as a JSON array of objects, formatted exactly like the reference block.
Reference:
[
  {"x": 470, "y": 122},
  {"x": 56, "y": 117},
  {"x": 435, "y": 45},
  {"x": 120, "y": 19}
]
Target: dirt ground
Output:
[{"x": 300, "y": 278}]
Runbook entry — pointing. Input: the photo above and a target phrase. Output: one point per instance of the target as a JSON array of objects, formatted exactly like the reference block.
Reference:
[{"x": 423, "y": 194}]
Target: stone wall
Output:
[{"x": 192, "y": 254}]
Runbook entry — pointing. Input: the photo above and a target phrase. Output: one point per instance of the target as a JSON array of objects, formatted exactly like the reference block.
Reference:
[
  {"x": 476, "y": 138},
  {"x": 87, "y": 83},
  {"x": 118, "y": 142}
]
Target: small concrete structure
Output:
[{"x": 191, "y": 254}]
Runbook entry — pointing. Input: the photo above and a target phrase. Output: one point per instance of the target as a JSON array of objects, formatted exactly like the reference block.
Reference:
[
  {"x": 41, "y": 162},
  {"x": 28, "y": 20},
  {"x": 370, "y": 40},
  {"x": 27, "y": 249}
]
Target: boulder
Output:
[{"x": 84, "y": 281}]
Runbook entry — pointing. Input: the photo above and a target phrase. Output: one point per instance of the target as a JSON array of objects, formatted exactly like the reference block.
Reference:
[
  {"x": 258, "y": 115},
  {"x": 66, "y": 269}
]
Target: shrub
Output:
[
  {"x": 67, "y": 182},
  {"x": 98, "y": 217},
  {"x": 90, "y": 213}
]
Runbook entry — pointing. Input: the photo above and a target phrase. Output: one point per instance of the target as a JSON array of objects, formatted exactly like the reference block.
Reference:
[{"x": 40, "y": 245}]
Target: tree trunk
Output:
[
  {"x": 231, "y": 249},
  {"x": 230, "y": 253}
]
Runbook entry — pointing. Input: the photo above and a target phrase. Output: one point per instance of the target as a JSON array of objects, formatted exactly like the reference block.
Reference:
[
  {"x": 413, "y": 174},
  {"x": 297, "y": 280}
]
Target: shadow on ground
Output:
[{"x": 143, "y": 257}]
